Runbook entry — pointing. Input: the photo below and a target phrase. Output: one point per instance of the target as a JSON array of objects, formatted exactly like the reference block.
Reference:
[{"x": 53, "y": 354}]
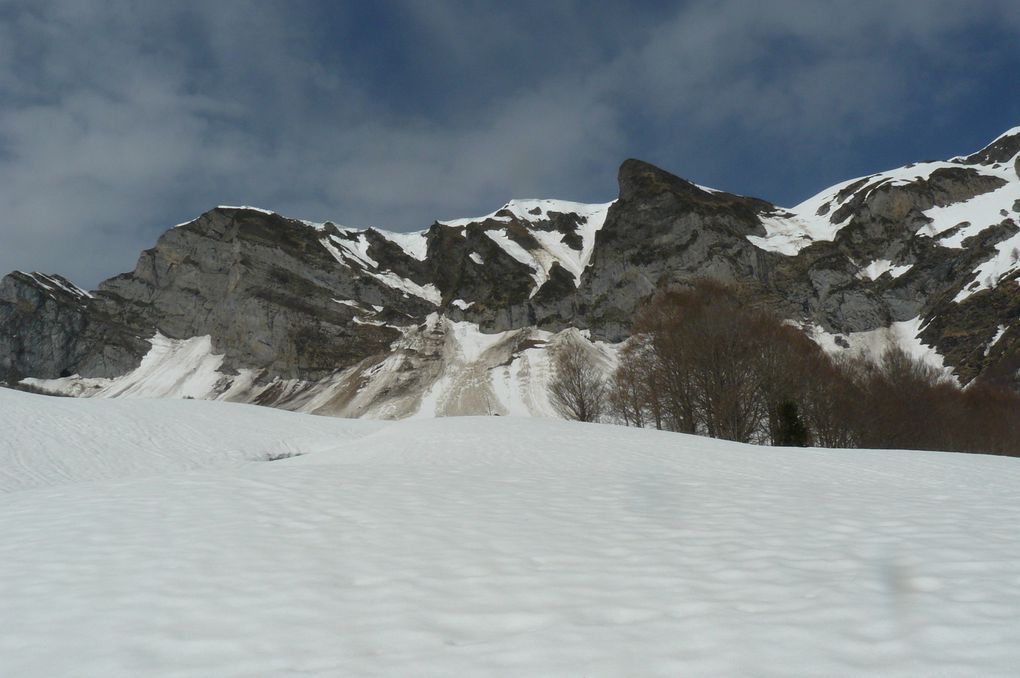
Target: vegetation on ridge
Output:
[{"x": 705, "y": 360}]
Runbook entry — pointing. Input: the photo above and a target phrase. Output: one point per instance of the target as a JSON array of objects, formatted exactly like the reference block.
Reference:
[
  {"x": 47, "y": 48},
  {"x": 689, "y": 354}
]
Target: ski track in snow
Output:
[{"x": 490, "y": 546}]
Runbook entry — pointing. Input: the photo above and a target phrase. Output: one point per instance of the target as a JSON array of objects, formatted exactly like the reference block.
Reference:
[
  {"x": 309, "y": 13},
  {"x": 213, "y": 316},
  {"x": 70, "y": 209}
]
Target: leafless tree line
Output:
[
  {"x": 703, "y": 360},
  {"x": 579, "y": 389}
]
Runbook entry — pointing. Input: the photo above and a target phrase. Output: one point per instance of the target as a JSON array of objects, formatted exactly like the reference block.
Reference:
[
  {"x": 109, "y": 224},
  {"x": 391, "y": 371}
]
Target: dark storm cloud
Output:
[{"x": 119, "y": 119}]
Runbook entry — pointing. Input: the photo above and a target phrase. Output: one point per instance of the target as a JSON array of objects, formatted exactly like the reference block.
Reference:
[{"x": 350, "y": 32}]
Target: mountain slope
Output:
[
  {"x": 244, "y": 304},
  {"x": 490, "y": 546}
]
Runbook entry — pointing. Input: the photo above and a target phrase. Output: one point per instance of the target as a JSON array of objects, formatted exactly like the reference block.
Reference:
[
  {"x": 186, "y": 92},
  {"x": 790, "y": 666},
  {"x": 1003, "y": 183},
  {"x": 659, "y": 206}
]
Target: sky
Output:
[{"x": 119, "y": 119}]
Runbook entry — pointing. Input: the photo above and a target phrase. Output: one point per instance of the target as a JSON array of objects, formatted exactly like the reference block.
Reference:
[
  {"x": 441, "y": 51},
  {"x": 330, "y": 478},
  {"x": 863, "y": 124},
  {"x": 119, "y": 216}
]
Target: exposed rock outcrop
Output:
[{"x": 296, "y": 306}]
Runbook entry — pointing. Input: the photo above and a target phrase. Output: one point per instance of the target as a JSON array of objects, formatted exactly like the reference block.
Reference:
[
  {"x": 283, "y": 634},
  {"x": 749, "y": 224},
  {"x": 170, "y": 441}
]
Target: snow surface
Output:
[
  {"x": 352, "y": 246},
  {"x": 878, "y": 267},
  {"x": 790, "y": 230},
  {"x": 443, "y": 368},
  {"x": 487, "y": 546},
  {"x": 355, "y": 249},
  {"x": 415, "y": 244},
  {"x": 873, "y": 343},
  {"x": 995, "y": 340},
  {"x": 51, "y": 283},
  {"x": 552, "y": 248},
  {"x": 244, "y": 207},
  {"x": 975, "y": 215},
  {"x": 47, "y": 441},
  {"x": 172, "y": 368}
]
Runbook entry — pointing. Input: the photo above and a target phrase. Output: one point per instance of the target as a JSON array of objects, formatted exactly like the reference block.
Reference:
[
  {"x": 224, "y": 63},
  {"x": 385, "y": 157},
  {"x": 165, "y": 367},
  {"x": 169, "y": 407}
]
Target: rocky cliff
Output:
[{"x": 246, "y": 304}]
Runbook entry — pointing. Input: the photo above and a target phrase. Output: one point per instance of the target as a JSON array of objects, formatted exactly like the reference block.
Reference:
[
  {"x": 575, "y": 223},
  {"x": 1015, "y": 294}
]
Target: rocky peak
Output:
[
  {"x": 288, "y": 305},
  {"x": 1003, "y": 149},
  {"x": 639, "y": 180}
]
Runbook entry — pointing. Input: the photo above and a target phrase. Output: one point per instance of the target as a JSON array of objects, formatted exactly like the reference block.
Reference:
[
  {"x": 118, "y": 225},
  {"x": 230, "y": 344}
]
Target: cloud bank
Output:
[{"x": 119, "y": 119}]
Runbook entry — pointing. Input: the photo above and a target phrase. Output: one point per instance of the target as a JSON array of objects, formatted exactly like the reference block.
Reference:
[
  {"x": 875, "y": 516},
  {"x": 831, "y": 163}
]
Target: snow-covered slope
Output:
[
  {"x": 489, "y": 546},
  {"x": 443, "y": 368},
  {"x": 544, "y": 248},
  {"x": 820, "y": 218},
  {"x": 47, "y": 441},
  {"x": 549, "y": 247},
  {"x": 247, "y": 305}
]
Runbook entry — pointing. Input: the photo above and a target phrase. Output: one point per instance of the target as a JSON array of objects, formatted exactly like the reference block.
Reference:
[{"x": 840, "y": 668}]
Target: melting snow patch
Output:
[
  {"x": 429, "y": 292},
  {"x": 873, "y": 343},
  {"x": 877, "y": 268},
  {"x": 414, "y": 244},
  {"x": 355, "y": 247},
  {"x": 995, "y": 340},
  {"x": 51, "y": 283},
  {"x": 244, "y": 207},
  {"x": 516, "y": 251},
  {"x": 988, "y": 274},
  {"x": 173, "y": 368},
  {"x": 345, "y": 251},
  {"x": 973, "y": 216},
  {"x": 790, "y": 232},
  {"x": 552, "y": 250}
]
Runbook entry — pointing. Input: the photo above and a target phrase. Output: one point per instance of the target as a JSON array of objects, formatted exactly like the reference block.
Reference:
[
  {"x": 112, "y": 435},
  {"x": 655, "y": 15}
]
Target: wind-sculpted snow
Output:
[{"x": 509, "y": 547}]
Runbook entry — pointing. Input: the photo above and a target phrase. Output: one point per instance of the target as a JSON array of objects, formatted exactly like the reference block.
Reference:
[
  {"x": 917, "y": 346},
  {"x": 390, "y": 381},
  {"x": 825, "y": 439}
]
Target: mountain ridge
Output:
[{"x": 303, "y": 313}]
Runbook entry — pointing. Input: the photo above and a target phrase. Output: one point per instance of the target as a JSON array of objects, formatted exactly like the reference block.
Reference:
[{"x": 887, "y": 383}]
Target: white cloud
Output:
[{"x": 120, "y": 119}]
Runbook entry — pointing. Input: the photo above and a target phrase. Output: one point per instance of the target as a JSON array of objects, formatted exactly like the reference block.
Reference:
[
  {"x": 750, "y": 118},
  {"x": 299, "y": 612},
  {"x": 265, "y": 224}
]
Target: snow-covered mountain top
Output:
[
  {"x": 1015, "y": 131},
  {"x": 56, "y": 283},
  {"x": 819, "y": 218},
  {"x": 488, "y": 546},
  {"x": 1009, "y": 140},
  {"x": 350, "y": 245},
  {"x": 532, "y": 210}
]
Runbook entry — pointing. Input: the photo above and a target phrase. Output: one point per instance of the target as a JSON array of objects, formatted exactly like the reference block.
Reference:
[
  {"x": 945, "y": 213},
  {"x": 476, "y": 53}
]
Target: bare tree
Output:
[
  {"x": 633, "y": 393},
  {"x": 707, "y": 360},
  {"x": 705, "y": 346},
  {"x": 578, "y": 389},
  {"x": 832, "y": 400}
]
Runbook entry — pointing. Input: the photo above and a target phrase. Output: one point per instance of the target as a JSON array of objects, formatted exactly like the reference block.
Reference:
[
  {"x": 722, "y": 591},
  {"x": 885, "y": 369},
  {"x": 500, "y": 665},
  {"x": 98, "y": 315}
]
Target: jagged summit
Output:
[
  {"x": 639, "y": 178},
  {"x": 1004, "y": 148},
  {"x": 245, "y": 304}
]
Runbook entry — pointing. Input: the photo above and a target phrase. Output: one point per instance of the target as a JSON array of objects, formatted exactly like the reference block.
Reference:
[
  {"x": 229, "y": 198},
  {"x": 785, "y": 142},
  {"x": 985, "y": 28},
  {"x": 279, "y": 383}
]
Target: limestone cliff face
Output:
[
  {"x": 263, "y": 287},
  {"x": 295, "y": 303},
  {"x": 49, "y": 328},
  {"x": 663, "y": 231}
]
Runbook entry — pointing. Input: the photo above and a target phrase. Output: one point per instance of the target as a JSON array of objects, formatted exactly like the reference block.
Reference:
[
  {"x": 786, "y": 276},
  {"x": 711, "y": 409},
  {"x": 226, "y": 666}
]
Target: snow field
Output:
[
  {"x": 46, "y": 441},
  {"x": 873, "y": 343},
  {"x": 500, "y": 546}
]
